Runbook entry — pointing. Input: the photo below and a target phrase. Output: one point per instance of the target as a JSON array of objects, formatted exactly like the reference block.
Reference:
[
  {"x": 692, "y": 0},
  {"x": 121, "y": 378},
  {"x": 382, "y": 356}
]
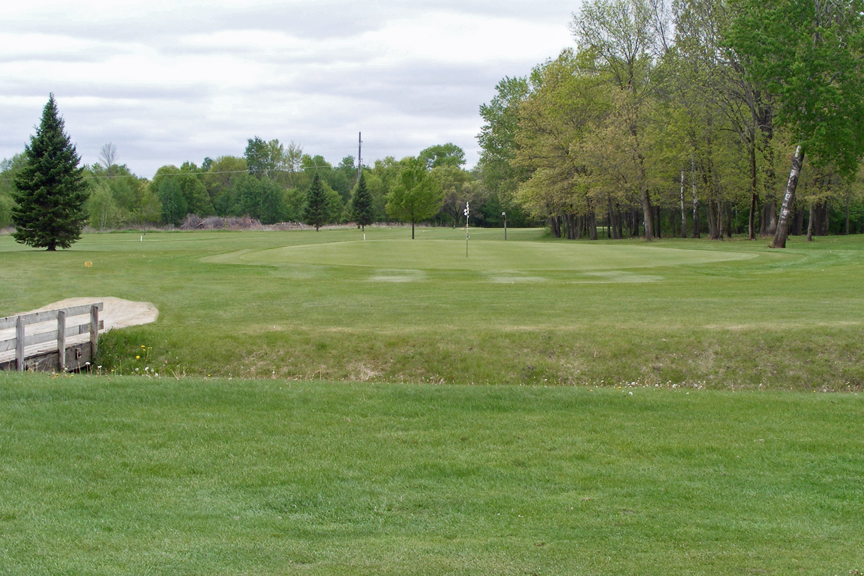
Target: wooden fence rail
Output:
[{"x": 50, "y": 334}]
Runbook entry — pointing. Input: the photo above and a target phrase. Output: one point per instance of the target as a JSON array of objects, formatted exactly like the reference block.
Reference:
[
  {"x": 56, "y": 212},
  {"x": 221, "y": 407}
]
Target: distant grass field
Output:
[
  {"x": 330, "y": 305},
  {"x": 133, "y": 475}
]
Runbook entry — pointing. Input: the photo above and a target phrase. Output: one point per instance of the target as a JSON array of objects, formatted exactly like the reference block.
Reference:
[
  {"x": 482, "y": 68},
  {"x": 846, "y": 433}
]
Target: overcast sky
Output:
[{"x": 173, "y": 81}]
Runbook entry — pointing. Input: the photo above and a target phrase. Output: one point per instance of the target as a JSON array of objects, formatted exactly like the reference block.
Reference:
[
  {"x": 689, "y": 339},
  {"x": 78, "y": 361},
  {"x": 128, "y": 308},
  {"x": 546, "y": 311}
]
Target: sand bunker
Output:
[{"x": 117, "y": 313}]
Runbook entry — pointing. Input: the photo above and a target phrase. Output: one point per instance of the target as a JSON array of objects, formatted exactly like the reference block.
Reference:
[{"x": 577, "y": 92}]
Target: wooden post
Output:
[
  {"x": 61, "y": 339},
  {"x": 94, "y": 332},
  {"x": 19, "y": 344}
]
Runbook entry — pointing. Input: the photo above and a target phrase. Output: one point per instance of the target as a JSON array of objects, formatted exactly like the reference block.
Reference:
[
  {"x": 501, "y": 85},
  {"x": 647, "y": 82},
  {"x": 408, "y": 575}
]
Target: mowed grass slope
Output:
[
  {"x": 329, "y": 305},
  {"x": 191, "y": 476}
]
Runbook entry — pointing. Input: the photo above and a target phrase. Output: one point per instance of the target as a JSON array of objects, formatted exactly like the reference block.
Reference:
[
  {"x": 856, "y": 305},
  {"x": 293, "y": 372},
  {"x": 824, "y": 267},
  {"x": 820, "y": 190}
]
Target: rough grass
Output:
[
  {"x": 202, "y": 476},
  {"x": 303, "y": 305}
]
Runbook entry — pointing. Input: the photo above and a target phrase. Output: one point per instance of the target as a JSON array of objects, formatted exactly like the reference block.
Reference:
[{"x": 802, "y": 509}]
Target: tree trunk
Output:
[
  {"x": 412, "y": 229},
  {"x": 554, "y": 225},
  {"x": 683, "y": 213},
  {"x": 751, "y": 223},
  {"x": 798, "y": 221},
  {"x": 695, "y": 198},
  {"x": 788, "y": 200},
  {"x": 721, "y": 219},
  {"x": 810, "y": 224},
  {"x": 712, "y": 219},
  {"x": 769, "y": 218},
  {"x": 592, "y": 225},
  {"x": 648, "y": 214},
  {"x": 657, "y": 224},
  {"x": 847, "y": 214},
  {"x": 729, "y": 215},
  {"x": 826, "y": 219},
  {"x": 609, "y": 222},
  {"x": 620, "y": 220}
]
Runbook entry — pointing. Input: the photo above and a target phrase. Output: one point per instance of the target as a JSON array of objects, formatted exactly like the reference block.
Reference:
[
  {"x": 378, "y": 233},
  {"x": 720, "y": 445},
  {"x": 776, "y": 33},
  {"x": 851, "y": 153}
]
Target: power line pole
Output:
[{"x": 359, "y": 154}]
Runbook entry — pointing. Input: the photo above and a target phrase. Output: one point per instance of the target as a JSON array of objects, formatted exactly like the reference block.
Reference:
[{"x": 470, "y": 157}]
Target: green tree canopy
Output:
[
  {"x": 317, "y": 205},
  {"x": 264, "y": 158},
  {"x": 415, "y": 196},
  {"x": 443, "y": 155},
  {"x": 174, "y": 207},
  {"x": 361, "y": 204},
  {"x": 809, "y": 57},
  {"x": 51, "y": 192}
]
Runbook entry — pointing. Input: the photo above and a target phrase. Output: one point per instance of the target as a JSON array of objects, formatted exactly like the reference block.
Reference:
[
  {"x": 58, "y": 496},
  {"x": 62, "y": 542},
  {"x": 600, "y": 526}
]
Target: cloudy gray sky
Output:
[{"x": 173, "y": 81}]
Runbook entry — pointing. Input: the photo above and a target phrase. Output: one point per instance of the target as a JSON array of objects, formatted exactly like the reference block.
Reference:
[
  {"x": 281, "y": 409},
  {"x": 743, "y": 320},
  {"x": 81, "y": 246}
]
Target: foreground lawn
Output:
[
  {"x": 163, "y": 476},
  {"x": 531, "y": 310}
]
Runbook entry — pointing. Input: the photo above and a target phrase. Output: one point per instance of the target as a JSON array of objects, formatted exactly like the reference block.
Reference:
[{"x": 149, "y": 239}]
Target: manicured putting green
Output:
[{"x": 482, "y": 255}]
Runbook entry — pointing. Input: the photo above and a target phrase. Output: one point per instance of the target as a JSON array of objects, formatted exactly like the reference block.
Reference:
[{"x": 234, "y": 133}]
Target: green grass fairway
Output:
[
  {"x": 330, "y": 305},
  {"x": 130, "y": 476},
  {"x": 495, "y": 257}
]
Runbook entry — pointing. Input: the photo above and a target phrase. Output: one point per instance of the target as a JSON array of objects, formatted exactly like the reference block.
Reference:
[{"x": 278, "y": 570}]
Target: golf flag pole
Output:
[{"x": 466, "y": 212}]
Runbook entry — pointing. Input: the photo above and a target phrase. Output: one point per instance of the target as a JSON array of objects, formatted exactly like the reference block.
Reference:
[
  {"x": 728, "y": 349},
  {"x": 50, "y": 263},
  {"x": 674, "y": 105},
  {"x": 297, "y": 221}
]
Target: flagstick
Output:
[{"x": 466, "y": 212}]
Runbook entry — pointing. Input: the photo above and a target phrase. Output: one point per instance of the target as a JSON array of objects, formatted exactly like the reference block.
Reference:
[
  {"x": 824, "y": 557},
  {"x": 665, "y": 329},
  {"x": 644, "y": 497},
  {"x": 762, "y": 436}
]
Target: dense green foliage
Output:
[
  {"x": 665, "y": 118},
  {"x": 315, "y": 213},
  {"x": 523, "y": 311},
  {"x": 157, "y": 475},
  {"x": 362, "y": 211},
  {"x": 678, "y": 118},
  {"x": 49, "y": 191},
  {"x": 416, "y": 196},
  {"x": 808, "y": 57},
  {"x": 9, "y": 170}
]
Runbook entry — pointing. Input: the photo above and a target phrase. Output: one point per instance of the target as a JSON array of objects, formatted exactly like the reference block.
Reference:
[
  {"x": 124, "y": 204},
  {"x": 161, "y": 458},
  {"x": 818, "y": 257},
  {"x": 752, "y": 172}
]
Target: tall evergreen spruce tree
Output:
[
  {"x": 51, "y": 191},
  {"x": 361, "y": 204},
  {"x": 316, "y": 204}
]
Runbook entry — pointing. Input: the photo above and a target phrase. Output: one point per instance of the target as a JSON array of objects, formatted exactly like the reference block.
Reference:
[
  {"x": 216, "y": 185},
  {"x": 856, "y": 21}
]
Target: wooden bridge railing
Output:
[{"x": 46, "y": 336}]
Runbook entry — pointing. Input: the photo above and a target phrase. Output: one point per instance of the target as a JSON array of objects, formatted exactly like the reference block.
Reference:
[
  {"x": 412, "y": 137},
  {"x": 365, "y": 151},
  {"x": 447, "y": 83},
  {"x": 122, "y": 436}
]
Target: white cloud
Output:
[{"x": 169, "y": 82}]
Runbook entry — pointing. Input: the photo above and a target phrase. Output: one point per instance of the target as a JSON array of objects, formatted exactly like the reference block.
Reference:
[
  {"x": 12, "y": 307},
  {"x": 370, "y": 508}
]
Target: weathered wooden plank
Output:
[
  {"x": 61, "y": 339},
  {"x": 77, "y": 357},
  {"x": 82, "y": 309},
  {"x": 94, "y": 330},
  {"x": 48, "y": 315},
  {"x": 41, "y": 337},
  {"x": 19, "y": 344}
]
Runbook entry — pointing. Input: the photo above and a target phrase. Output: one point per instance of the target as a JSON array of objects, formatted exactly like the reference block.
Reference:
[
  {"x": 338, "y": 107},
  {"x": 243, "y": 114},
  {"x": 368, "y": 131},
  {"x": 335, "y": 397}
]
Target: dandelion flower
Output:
[{"x": 137, "y": 357}]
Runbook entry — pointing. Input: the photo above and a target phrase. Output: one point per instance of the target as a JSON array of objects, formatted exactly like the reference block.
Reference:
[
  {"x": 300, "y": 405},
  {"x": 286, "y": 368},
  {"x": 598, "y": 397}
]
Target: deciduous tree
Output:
[
  {"x": 416, "y": 196},
  {"x": 808, "y": 55}
]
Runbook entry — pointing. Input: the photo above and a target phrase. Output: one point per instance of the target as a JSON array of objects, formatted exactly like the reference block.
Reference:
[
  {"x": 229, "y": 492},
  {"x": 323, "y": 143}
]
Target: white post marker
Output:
[{"x": 467, "y": 211}]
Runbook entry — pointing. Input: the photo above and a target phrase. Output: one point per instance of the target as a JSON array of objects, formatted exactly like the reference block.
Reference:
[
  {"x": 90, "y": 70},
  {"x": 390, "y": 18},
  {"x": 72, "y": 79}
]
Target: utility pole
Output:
[{"x": 359, "y": 154}]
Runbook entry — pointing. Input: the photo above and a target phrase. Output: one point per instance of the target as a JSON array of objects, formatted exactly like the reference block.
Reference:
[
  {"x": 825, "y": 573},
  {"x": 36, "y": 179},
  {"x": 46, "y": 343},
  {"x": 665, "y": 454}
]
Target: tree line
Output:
[
  {"x": 275, "y": 182},
  {"x": 682, "y": 118},
  {"x": 687, "y": 118}
]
